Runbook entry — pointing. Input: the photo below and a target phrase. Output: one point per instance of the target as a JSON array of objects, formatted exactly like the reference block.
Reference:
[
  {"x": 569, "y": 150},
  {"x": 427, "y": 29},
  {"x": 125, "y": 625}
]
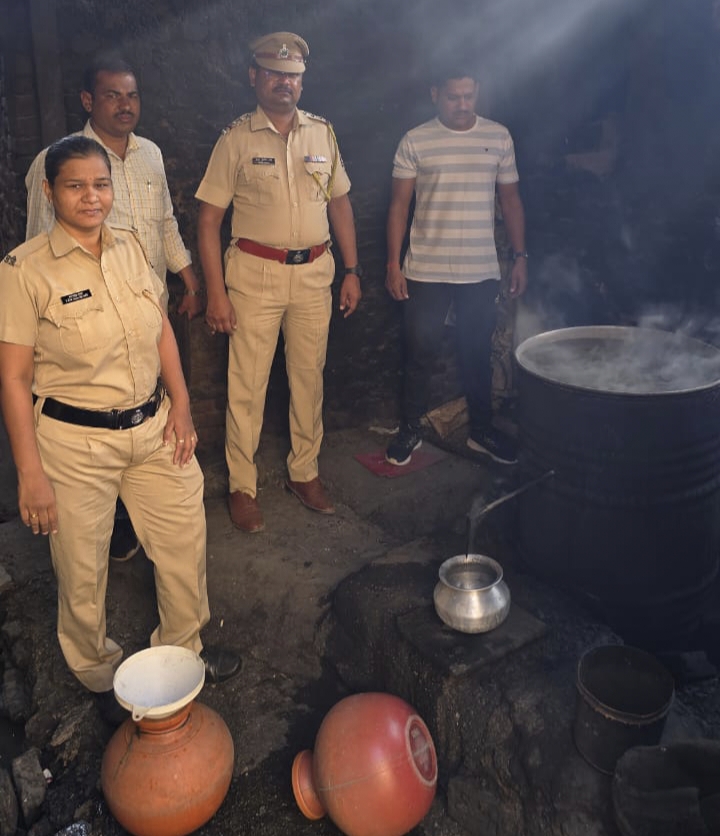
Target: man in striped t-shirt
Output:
[{"x": 453, "y": 165}]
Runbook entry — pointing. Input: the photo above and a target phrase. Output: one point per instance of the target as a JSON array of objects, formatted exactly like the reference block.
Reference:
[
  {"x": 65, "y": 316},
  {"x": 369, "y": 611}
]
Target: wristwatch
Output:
[
  {"x": 519, "y": 254},
  {"x": 357, "y": 270}
]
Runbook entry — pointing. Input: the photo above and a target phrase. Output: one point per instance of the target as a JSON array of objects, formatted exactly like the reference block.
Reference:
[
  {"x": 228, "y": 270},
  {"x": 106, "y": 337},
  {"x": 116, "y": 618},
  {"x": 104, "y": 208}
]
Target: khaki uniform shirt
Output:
[
  {"x": 94, "y": 323},
  {"x": 141, "y": 202},
  {"x": 279, "y": 190}
]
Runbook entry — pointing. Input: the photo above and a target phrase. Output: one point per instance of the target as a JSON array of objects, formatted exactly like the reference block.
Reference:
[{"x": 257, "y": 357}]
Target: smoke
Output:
[
  {"x": 559, "y": 54},
  {"x": 622, "y": 360},
  {"x": 563, "y": 285}
]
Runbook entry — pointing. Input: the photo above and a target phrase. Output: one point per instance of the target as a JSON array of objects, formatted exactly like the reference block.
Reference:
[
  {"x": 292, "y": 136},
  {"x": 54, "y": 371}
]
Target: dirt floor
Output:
[{"x": 270, "y": 595}]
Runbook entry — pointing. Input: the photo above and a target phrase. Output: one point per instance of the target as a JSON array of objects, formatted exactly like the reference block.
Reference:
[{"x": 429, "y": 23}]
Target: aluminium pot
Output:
[
  {"x": 628, "y": 420},
  {"x": 471, "y": 595}
]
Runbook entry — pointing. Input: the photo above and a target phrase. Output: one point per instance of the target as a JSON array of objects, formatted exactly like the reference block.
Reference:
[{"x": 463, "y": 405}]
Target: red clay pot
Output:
[
  {"x": 168, "y": 777},
  {"x": 373, "y": 769}
]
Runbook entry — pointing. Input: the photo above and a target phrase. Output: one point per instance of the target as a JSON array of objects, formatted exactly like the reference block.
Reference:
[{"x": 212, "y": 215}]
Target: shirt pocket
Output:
[
  {"x": 152, "y": 198},
  {"x": 146, "y": 300},
  {"x": 80, "y": 324},
  {"x": 317, "y": 181},
  {"x": 263, "y": 183}
]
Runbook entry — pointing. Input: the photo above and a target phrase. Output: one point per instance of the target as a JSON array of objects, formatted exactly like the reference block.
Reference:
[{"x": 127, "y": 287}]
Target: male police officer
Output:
[{"x": 281, "y": 170}]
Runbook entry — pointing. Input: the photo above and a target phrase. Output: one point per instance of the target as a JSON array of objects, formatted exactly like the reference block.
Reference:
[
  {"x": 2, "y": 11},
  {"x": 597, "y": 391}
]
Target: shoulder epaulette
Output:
[
  {"x": 130, "y": 233},
  {"x": 16, "y": 256},
  {"x": 128, "y": 230},
  {"x": 239, "y": 121},
  {"x": 115, "y": 225},
  {"x": 315, "y": 116}
]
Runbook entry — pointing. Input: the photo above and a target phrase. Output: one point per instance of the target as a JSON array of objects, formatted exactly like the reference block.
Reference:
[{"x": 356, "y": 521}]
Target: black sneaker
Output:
[
  {"x": 124, "y": 543},
  {"x": 494, "y": 443},
  {"x": 400, "y": 450}
]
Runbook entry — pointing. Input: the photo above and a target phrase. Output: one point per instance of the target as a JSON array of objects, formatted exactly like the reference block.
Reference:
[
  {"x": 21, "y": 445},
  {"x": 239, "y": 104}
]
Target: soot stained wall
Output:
[{"x": 604, "y": 99}]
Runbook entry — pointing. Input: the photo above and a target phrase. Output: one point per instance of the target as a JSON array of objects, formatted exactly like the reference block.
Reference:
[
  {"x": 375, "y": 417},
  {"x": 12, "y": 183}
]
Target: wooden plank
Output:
[{"x": 48, "y": 75}]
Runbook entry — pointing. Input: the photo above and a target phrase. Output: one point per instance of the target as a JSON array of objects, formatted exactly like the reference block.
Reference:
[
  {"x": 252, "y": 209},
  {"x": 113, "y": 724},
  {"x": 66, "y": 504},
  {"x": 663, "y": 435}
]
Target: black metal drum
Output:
[{"x": 629, "y": 421}]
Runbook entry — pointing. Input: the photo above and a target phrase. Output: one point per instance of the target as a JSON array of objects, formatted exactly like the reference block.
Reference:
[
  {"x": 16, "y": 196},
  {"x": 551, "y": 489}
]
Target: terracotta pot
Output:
[
  {"x": 374, "y": 767},
  {"x": 167, "y": 777}
]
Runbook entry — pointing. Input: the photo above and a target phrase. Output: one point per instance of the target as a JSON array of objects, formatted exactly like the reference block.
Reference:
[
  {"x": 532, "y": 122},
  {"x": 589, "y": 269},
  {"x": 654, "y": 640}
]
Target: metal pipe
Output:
[{"x": 474, "y": 516}]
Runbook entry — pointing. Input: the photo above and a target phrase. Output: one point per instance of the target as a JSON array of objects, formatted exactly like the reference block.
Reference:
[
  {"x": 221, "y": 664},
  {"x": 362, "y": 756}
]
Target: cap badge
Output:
[{"x": 283, "y": 52}]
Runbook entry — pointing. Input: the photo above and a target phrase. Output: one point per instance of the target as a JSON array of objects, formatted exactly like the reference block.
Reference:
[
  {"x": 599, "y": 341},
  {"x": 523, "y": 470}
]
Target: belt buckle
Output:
[
  {"x": 137, "y": 416},
  {"x": 298, "y": 256}
]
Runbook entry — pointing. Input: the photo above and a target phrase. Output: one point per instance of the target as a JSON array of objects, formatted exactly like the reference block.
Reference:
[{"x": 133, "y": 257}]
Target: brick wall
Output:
[{"x": 598, "y": 247}]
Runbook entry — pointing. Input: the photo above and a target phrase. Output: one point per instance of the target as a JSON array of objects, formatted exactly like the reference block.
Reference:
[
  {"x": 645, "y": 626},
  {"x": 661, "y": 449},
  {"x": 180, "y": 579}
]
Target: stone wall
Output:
[
  {"x": 587, "y": 93},
  {"x": 18, "y": 124}
]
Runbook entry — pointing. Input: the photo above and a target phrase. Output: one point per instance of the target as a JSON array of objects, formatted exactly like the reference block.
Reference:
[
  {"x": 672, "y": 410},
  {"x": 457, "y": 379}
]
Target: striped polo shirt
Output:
[{"x": 452, "y": 234}]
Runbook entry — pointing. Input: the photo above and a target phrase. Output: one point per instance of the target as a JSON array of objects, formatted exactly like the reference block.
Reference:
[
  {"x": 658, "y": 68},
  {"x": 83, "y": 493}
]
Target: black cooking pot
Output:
[{"x": 629, "y": 421}]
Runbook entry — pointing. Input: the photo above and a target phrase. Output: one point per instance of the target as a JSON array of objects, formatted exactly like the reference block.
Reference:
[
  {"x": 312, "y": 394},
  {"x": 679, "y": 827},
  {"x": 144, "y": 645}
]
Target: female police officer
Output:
[{"x": 96, "y": 406}]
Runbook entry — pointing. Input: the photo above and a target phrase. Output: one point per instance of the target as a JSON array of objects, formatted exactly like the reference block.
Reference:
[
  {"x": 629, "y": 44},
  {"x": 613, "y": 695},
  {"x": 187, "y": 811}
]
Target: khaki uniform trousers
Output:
[
  {"x": 268, "y": 296},
  {"x": 88, "y": 469}
]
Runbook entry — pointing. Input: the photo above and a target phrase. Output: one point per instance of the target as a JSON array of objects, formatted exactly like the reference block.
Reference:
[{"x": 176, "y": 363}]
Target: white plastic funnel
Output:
[{"x": 158, "y": 681}]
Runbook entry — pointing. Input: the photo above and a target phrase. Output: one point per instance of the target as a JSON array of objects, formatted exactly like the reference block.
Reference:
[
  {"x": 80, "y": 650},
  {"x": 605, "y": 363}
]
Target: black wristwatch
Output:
[
  {"x": 519, "y": 254},
  {"x": 356, "y": 270}
]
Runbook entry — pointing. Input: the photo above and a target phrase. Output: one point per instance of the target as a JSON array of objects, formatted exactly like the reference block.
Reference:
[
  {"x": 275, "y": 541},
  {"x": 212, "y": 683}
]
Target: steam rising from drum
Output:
[{"x": 624, "y": 360}]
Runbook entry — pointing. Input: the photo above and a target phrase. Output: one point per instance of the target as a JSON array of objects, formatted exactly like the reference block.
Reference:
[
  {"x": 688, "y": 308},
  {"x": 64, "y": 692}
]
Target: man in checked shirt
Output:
[
  {"x": 142, "y": 201},
  {"x": 142, "y": 198}
]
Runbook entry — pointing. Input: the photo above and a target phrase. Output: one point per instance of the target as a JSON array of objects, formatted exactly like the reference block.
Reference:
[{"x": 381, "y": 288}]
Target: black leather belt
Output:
[{"x": 114, "y": 419}]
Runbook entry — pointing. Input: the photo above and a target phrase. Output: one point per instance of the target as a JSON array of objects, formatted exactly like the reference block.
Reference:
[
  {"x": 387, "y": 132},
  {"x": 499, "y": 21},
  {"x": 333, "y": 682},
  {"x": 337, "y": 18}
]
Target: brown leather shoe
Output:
[
  {"x": 245, "y": 512},
  {"x": 312, "y": 495}
]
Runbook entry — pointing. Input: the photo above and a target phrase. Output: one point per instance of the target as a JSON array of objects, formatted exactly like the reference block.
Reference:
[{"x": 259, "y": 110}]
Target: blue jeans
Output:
[{"x": 475, "y": 319}]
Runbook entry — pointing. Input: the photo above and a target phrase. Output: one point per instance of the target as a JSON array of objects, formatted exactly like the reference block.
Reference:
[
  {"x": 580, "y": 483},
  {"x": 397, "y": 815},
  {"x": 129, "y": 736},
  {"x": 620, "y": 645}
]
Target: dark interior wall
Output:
[{"x": 605, "y": 99}]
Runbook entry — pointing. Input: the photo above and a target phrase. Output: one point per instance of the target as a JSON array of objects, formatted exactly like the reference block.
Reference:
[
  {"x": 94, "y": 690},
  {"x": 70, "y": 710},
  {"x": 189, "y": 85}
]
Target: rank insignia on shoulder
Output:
[
  {"x": 263, "y": 160},
  {"x": 239, "y": 121},
  {"x": 10, "y": 259},
  {"x": 315, "y": 158},
  {"x": 315, "y": 116}
]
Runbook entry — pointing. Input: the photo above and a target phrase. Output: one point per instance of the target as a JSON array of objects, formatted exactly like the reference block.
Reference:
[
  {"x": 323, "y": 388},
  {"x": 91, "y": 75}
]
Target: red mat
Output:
[{"x": 375, "y": 462}]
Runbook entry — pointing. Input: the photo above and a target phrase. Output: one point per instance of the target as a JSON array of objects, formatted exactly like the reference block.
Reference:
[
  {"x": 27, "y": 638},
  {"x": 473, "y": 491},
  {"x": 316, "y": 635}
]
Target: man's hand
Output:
[
  {"x": 192, "y": 301},
  {"x": 518, "y": 278},
  {"x": 396, "y": 283},
  {"x": 192, "y": 305},
  {"x": 350, "y": 294},
  {"x": 220, "y": 315}
]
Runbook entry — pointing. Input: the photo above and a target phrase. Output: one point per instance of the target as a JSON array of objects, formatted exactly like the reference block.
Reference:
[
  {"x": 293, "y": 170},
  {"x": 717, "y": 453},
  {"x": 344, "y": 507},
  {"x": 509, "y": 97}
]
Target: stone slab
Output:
[{"x": 459, "y": 654}]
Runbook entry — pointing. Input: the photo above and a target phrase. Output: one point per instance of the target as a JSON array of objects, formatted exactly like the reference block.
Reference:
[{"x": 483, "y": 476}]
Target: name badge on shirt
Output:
[
  {"x": 315, "y": 158},
  {"x": 75, "y": 297},
  {"x": 263, "y": 160}
]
